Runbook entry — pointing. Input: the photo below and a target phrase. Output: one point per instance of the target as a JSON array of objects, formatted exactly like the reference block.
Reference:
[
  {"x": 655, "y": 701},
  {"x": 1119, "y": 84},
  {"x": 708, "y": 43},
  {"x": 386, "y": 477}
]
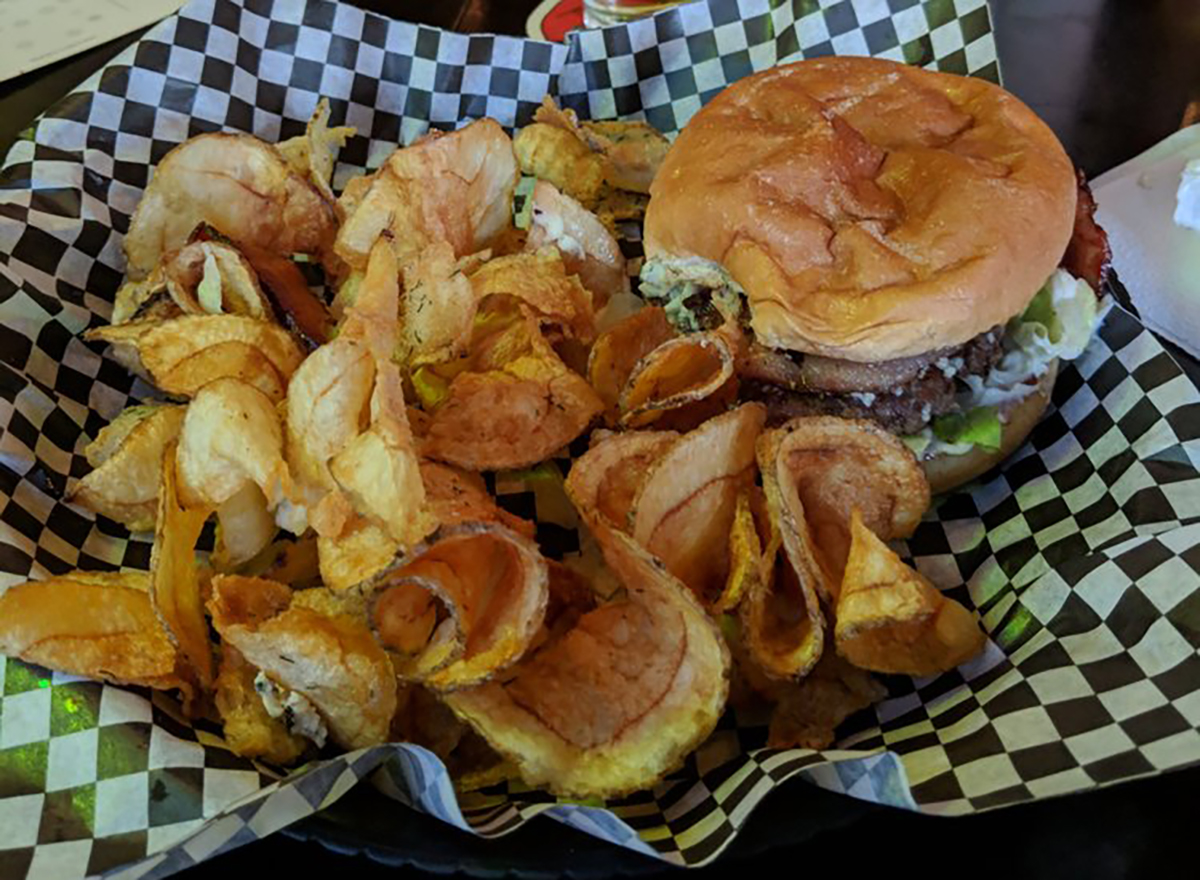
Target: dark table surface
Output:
[{"x": 1112, "y": 77}]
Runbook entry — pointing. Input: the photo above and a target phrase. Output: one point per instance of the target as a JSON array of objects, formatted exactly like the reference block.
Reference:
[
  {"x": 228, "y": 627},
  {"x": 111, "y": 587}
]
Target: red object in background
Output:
[{"x": 554, "y": 20}]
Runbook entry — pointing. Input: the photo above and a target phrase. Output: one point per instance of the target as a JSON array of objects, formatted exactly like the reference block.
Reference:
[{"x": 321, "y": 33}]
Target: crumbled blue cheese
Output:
[
  {"x": 299, "y": 715},
  {"x": 672, "y": 280},
  {"x": 866, "y": 398}
]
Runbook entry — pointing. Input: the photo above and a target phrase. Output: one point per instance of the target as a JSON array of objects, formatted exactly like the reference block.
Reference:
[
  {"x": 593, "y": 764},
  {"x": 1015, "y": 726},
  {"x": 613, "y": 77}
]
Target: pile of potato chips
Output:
[{"x": 364, "y": 585}]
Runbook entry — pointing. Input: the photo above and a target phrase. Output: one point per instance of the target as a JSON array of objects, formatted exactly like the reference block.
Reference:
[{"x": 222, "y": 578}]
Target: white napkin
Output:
[
  {"x": 1156, "y": 260},
  {"x": 35, "y": 33}
]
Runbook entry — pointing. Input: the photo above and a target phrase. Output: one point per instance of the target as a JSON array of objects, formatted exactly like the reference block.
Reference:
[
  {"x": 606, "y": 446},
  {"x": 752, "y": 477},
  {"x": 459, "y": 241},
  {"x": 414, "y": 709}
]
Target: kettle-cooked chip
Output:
[
  {"x": 231, "y": 438},
  {"x": 184, "y": 354},
  {"x": 330, "y": 659},
  {"x": 174, "y": 576},
  {"x": 618, "y": 700},
  {"x": 781, "y": 615},
  {"x": 619, "y": 350},
  {"x": 540, "y": 279},
  {"x": 511, "y": 403},
  {"x": 249, "y": 730},
  {"x": 891, "y": 619},
  {"x": 807, "y": 713},
  {"x": 127, "y": 458},
  {"x": 830, "y": 465},
  {"x": 684, "y": 509},
  {"x": 679, "y": 372},
  {"x": 605, "y": 480},
  {"x": 98, "y": 624},
  {"x": 464, "y": 607}
]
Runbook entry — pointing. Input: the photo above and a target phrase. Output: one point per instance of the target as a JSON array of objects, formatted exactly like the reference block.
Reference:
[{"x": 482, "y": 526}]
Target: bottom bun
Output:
[{"x": 947, "y": 472}]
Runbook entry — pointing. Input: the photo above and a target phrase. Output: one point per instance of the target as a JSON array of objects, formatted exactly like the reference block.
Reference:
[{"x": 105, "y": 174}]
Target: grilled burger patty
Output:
[{"x": 902, "y": 396}]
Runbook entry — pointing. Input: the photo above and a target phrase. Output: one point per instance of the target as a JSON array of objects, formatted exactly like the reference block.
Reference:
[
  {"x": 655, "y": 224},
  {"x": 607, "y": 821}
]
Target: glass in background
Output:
[{"x": 597, "y": 13}]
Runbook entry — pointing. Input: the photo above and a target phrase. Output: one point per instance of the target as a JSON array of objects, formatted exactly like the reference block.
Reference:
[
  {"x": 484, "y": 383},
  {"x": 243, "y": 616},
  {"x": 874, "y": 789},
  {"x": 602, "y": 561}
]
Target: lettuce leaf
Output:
[{"x": 977, "y": 427}]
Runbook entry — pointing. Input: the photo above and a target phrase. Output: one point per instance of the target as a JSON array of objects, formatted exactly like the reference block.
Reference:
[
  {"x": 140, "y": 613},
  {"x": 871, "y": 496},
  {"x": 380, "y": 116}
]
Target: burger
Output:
[{"x": 901, "y": 245}]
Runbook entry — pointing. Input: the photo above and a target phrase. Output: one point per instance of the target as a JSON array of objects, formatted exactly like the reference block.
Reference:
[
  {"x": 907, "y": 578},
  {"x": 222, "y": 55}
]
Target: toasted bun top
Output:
[{"x": 870, "y": 210}]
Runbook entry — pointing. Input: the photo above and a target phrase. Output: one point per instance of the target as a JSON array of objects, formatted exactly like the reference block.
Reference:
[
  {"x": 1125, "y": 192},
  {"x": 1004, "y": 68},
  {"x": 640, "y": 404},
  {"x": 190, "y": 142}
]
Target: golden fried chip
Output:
[
  {"x": 455, "y": 187},
  {"x": 312, "y": 154},
  {"x": 249, "y": 731},
  {"x": 332, "y": 661},
  {"x": 512, "y": 404},
  {"x": 619, "y": 350},
  {"x": 457, "y": 496},
  {"x": 101, "y": 625},
  {"x": 127, "y": 456},
  {"x": 807, "y": 713},
  {"x": 348, "y": 434},
  {"x": 540, "y": 280},
  {"x": 464, "y": 608},
  {"x": 589, "y": 249},
  {"x": 550, "y": 153},
  {"x": 745, "y": 555},
  {"x": 891, "y": 619},
  {"x": 684, "y": 509},
  {"x": 605, "y": 480},
  {"x": 293, "y": 562},
  {"x": 632, "y": 150},
  {"x": 184, "y": 354},
  {"x": 238, "y": 185},
  {"x": 830, "y": 465},
  {"x": 174, "y": 578},
  {"x": 245, "y": 527},
  {"x": 231, "y": 438},
  {"x": 679, "y": 372},
  {"x": 782, "y": 621},
  {"x": 327, "y": 404},
  {"x": 359, "y": 550},
  {"x": 438, "y": 307},
  {"x": 617, "y": 700},
  {"x": 210, "y": 278}
]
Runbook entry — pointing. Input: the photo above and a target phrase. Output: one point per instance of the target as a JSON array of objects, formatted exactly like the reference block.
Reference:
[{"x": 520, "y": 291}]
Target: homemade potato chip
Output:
[
  {"x": 127, "y": 456},
  {"x": 457, "y": 496},
  {"x": 349, "y": 440},
  {"x": 98, "y": 624},
  {"x": 604, "y": 481},
  {"x": 455, "y": 187},
  {"x": 558, "y": 157},
  {"x": 684, "y": 509},
  {"x": 332, "y": 661},
  {"x": 679, "y": 372},
  {"x": 184, "y": 354},
  {"x": 745, "y": 555},
  {"x": 829, "y": 466},
  {"x": 360, "y": 549},
  {"x": 511, "y": 403},
  {"x": 633, "y": 152},
  {"x": 248, "y": 730},
  {"x": 588, "y": 248},
  {"x": 174, "y": 578},
  {"x": 464, "y": 607},
  {"x": 210, "y": 278},
  {"x": 245, "y": 527},
  {"x": 238, "y": 185},
  {"x": 891, "y": 619},
  {"x": 619, "y": 350},
  {"x": 782, "y": 620},
  {"x": 807, "y": 713},
  {"x": 620, "y": 698},
  {"x": 231, "y": 437},
  {"x": 312, "y": 154},
  {"x": 541, "y": 280},
  {"x": 438, "y": 308}
]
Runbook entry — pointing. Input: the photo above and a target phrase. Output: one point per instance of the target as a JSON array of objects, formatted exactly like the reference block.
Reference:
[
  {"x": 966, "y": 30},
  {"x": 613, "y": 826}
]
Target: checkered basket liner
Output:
[{"x": 1082, "y": 554}]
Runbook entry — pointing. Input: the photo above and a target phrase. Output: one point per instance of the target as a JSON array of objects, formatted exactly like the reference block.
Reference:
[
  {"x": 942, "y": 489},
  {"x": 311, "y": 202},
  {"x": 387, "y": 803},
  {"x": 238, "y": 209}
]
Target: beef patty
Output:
[{"x": 902, "y": 396}]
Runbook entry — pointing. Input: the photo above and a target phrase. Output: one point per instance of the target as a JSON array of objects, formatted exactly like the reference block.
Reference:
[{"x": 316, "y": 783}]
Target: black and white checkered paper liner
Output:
[{"x": 1082, "y": 555}]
